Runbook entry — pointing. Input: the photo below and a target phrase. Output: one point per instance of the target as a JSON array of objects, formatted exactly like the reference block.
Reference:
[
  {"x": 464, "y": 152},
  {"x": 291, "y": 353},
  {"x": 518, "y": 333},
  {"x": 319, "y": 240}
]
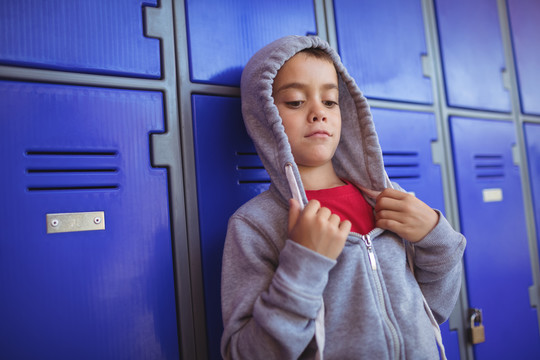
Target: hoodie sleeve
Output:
[
  {"x": 270, "y": 298},
  {"x": 437, "y": 260}
]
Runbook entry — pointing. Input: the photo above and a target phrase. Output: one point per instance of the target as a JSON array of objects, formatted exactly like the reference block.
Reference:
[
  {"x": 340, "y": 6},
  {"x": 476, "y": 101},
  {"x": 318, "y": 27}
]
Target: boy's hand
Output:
[
  {"x": 404, "y": 214},
  {"x": 317, "y": 228}
]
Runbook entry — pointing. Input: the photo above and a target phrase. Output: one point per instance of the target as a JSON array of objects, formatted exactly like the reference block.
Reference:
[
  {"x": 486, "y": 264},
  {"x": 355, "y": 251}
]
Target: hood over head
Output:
[{"x": 358, "y": 157}]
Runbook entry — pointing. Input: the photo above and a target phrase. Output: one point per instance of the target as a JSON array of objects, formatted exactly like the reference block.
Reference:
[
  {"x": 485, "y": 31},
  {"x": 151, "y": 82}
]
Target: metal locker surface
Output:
[
  {"x": 229, "y": 173},
  {"x": 104, "y": 293},
  {"x": 383, "y": 54},
  {"x": 99, "y": 36},
  {"x": 492, "y": 218},
  {"x": 406, "y": 139},
  {"x": 223, "y": 35},
  {"x": 472, "y": 54},
  {"x": 524, "y": 15},
  {"x": 532, "y": 139}
]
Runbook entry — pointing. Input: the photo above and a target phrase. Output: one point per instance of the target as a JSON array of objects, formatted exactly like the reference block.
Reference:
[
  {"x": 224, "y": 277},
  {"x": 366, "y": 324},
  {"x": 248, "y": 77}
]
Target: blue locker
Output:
[
  {"x": 406, "y": 139},
  {"x": 99, "y": 36},
  {"x": 229, "y": 173},
  {"x": 382, "y": 54},
  {"x": 532, "y": 139},
  {"x": 472, "y": 54},
  {"x": 223, "y": 35},
  {"x": 97, "y": 294},
  {"x": 497, "y": 262},
  {"x": 524, "y": 15}
]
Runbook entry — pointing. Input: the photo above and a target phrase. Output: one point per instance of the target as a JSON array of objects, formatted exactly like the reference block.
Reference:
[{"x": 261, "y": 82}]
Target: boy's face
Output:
[{"x": 306, "y": 94}]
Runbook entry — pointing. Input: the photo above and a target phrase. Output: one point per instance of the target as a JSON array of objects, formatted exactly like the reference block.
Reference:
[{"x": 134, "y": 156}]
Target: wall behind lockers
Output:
[{"x": 121, "y": 131}]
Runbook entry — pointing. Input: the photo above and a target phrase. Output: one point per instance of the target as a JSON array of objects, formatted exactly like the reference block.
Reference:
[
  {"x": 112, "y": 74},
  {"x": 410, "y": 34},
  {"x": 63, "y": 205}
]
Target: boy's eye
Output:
[
  {"x": 294, "y": 104},
  {"x": 330, "y": 103}
]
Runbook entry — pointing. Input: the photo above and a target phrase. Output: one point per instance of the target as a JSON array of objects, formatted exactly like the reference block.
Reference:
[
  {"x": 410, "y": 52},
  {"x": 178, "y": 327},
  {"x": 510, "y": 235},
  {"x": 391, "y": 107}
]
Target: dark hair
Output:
[{"x": 317, "y": 53}]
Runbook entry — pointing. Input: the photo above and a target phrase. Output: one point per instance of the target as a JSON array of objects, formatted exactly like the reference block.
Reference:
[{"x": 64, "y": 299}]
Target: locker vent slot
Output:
[
  {"x": 489, "y": 166},
  {"x": 45, "y": 171},
  {"x": 250, "y": 169},
  {"x": 402, "y": 164},
  {"x": 60, "y": 188},
  {"x": 72, "y": 170},
  {"x": 73, "y": 153}
]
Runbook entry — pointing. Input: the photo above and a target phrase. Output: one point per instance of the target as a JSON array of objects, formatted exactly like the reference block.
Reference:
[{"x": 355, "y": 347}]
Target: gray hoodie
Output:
[{"x": 273, "y": 288}]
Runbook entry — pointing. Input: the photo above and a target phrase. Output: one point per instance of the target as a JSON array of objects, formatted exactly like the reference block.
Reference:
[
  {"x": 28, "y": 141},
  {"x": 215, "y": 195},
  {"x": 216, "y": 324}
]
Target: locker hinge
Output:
[
  {"x": 155, "y": 22},
  {"x": 505, "y": 76},
  {"x": 426, "y": 65},
  {"x": 515, "y": 155},
  {"x": 437, "y": 152},
  {"x": 534, "y": 296}
]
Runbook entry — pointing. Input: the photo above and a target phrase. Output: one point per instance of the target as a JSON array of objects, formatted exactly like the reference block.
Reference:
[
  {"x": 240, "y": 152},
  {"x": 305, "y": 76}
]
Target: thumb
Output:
[{"x": 294, "y": 213}]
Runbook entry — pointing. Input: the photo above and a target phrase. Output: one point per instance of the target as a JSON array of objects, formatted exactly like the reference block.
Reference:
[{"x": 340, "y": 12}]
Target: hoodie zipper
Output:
[
  {"x": 367, "y": 240},
  {"x": 373, "y": 262}
]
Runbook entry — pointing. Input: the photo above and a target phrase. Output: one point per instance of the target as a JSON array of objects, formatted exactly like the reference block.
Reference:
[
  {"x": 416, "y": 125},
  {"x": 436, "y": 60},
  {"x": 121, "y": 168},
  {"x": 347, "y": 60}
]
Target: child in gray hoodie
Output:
[{"x": 329, "y": 277}]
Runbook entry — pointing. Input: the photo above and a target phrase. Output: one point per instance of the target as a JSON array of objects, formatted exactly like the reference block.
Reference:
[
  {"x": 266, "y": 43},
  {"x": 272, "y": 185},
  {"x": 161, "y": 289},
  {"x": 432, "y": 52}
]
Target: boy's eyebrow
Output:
[{"x": 297, "y": 85}]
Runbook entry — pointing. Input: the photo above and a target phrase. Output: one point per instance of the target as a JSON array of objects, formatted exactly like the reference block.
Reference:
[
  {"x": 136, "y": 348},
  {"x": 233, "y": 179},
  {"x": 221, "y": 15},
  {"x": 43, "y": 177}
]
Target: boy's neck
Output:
[{"x": 318, "y": 178}]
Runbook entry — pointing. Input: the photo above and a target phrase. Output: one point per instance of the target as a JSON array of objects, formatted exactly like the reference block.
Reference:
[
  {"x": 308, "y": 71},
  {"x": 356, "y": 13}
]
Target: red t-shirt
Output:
[{"x": 349, "y": 203}]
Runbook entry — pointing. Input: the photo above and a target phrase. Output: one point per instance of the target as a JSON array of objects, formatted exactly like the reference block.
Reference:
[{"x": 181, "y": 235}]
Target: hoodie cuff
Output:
[
  {"x": 300, "y": 279},
  {"x": 442, "y": 242}
]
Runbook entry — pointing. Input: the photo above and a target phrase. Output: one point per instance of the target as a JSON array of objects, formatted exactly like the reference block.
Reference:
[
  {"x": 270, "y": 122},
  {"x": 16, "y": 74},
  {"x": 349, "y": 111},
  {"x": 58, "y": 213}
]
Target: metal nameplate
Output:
[
  {"x": 79, "y": 221},
  {"x": 492, "y": 195}
]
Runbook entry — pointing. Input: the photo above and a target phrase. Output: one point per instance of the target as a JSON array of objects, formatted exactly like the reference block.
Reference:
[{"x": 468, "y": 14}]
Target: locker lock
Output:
[{"x": 476, "y": 331}]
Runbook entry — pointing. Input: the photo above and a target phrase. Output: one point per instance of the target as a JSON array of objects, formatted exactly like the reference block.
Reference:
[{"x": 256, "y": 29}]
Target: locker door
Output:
[
  {"x": 472, "y": 54},
  {"x": 106, "y": 292},
  {"x": 223, "y": 35},
  {"x": 99, "y": 36},
  {"x": 406, "y": 139},
  {"x": 408, "y": 159},
  {"x": 229, "y": 173},
  {"x": 532, "y": 138},
  {"x": 524, "y": 15},
  {"x": 386, "y": 63},
  {"x": 497, "y": 262}
]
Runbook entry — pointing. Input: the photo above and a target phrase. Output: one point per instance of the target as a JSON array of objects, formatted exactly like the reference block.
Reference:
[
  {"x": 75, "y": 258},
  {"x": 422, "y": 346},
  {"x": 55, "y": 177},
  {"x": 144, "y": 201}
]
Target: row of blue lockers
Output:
[
  {"x": 68, "y": 149},
  {"x": 110, "y": 294},
  {"x": 384, "y": 55}
]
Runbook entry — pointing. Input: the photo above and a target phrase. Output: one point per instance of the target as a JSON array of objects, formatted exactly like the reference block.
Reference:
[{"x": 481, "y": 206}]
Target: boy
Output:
[{"x": 340, "y": 268}]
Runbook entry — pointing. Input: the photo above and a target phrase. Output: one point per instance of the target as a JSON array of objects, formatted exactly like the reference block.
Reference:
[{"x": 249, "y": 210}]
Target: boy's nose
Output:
[{"x": 318, "y": 114}]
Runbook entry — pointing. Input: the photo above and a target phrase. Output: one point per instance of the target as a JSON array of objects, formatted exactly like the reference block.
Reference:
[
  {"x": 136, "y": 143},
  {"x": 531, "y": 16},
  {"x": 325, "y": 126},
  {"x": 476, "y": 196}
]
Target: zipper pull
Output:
[{"x": 371, "y": 254}]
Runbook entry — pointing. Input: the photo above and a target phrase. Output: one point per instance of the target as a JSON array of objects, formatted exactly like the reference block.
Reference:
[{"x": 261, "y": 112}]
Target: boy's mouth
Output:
[{"x": 319, "y": 133}]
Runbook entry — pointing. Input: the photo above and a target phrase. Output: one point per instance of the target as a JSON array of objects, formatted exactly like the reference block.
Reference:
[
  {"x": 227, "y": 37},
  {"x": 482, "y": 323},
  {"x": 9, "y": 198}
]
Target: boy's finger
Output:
[
  {"x": 388, "y": 224},
  {"x": 388, "y": 203},
  {"x": 312, "y": 206},
  {"x": 390, "y": 215},
  {"x": 392, "y": 194},
  {"x": 345, "y": 226}
]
